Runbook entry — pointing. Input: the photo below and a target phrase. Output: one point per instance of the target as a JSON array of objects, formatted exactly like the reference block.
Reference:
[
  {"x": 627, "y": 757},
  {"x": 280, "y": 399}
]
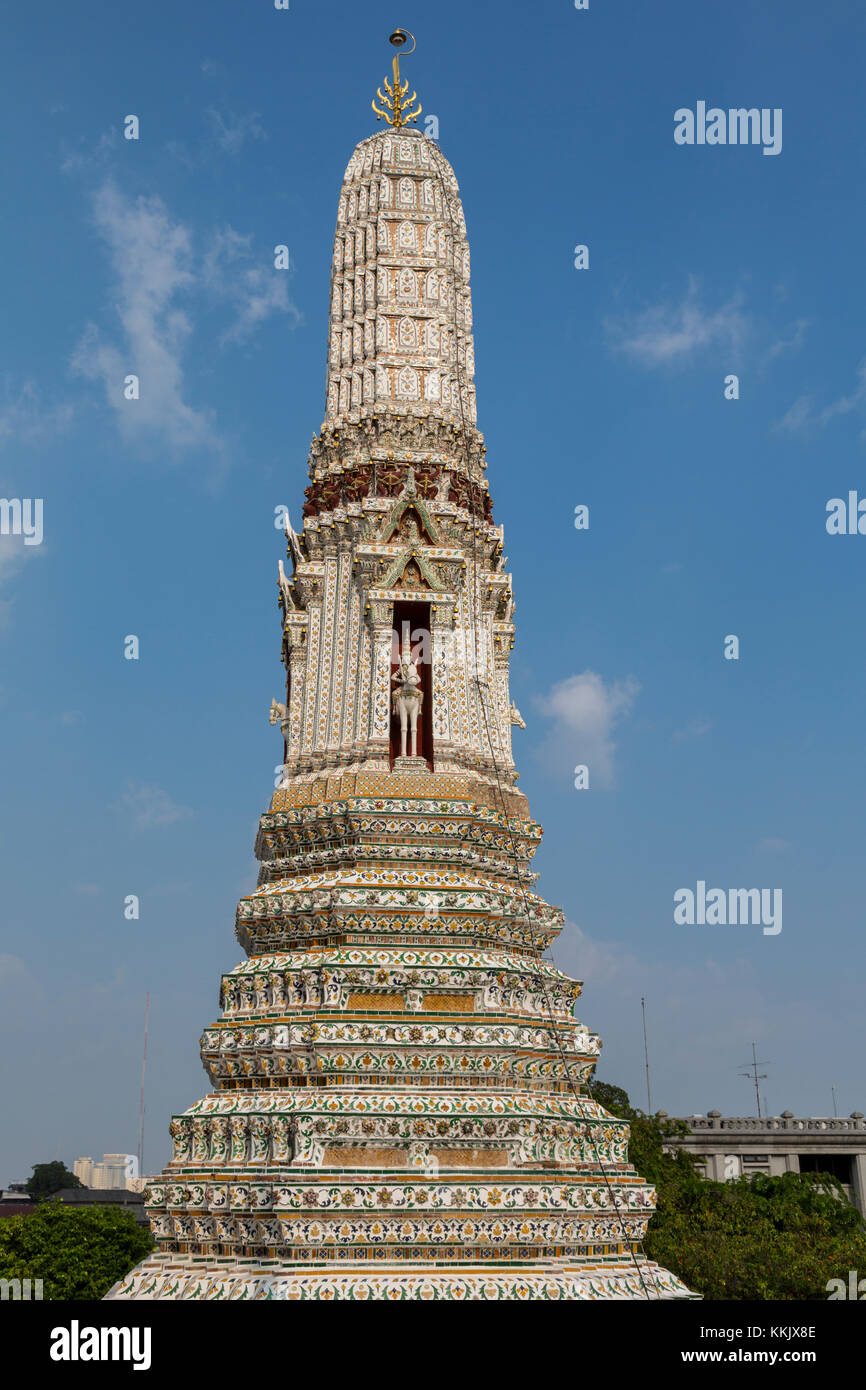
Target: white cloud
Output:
[
  {"x": 86, "y": 159},
  {"x": 152, "y": 263},
  {"x": 231, "y": 130},
  {"x": 158, "y": 274},
  {"x": 585, "y": 712},
  {"x": 696, "y": 728},
  {"x": 798, "y": 416},
  {"x": 152, "y": 806},
  {"x": 773, "y": 844},
  {"x": 802, "y": 416},
  {"x": 845, "y": 404},
  {"x": 668, "y": 333},
  {"x": 791, "y": 344},
  {"x": 25, "y": 418},
  {"x": 14, "y": 554},
  {"x": 255, "y": 290}
]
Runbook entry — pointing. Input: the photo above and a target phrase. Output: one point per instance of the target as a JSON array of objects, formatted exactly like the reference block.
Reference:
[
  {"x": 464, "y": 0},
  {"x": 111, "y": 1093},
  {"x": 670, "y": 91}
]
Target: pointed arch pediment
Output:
[
  {"x": 405, "y": 570},
  {"x": 416, "y": 506}
]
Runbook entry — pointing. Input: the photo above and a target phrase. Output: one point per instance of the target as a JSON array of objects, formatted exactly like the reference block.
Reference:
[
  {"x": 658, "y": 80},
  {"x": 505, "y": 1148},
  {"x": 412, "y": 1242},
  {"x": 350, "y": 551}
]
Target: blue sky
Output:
[{"x": 603, "y": 387}]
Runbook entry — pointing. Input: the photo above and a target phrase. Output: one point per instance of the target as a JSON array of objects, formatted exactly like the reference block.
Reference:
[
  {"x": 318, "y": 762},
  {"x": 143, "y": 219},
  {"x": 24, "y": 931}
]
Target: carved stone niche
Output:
[
  {"x": 364, "y": 571},
  {"x": 442, "y": 613},
  {"x": 381, "y": 612}
]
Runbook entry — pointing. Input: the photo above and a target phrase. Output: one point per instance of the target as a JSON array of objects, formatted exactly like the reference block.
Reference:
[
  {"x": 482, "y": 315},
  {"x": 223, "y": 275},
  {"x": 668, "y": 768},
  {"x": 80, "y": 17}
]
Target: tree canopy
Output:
[
  {"x": 48, "y": 1178},
  {"x": 78, "y": 1252},
  {"x": 753, "y": 1238}
]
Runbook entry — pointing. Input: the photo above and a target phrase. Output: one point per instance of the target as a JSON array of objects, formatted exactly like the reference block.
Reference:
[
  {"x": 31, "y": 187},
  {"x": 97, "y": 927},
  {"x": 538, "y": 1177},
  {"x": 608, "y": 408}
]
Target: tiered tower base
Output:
[{"x": 400, "y": 1106}]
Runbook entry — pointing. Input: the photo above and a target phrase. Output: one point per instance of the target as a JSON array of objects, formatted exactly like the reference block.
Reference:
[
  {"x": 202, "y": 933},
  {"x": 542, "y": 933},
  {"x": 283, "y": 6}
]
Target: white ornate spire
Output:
[
  {"x": 399, "y": 1106},
  {"x": 400, "y": 332}
]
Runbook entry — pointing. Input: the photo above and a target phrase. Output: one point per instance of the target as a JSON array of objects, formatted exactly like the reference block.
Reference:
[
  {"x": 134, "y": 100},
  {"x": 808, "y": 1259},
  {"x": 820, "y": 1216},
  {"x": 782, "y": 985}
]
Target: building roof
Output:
[{"x": 101, "y": 1196}]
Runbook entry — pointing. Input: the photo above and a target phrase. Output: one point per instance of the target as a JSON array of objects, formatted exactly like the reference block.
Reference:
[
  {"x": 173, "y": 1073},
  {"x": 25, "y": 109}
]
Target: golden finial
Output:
[{"x": 398, "y": 109}]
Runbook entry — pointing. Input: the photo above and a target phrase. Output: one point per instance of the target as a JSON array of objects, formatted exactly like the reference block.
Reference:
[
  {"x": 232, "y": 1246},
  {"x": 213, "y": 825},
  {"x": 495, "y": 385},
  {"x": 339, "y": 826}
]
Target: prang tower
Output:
[{"x": 399, "y": 1106}]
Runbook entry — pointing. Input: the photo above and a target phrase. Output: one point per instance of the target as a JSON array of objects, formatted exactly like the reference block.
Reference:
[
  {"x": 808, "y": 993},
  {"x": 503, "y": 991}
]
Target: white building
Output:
[
  {"x": 115, "y": 1171},
  {"x": 728, "y": 1148}
]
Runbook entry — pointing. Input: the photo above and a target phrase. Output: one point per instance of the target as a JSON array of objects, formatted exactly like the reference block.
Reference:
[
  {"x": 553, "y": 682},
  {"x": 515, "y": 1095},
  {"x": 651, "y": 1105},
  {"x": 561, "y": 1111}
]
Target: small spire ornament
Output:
[{"x": 398, "y": 109}]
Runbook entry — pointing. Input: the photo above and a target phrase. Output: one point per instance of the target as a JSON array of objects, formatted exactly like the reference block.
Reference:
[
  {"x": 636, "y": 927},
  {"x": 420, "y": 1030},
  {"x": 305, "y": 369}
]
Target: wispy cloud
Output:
[
  {"x": 845, "y": 404},
  {"x": 254, "y": 290},
  {"x": 152, "y": 806},
  {"x": 26, "y": 418},
  {"x": 152, "y": 264},
  {"x": 158, "y": 279},
  {"x": 696, "y": 728},
  {"x": 87, "y": 158},
  {"x": 585, "y": 711},
  {"x": 14, "y": 554},
  {"x": 802, "y": 416},
  {"x": 674, "y": 332},
  {"x": 773, "y": 844},
  {"x": 792, "y": 344},
  {"x": 797, "y": 417},
  {"x": 231, "y": 131}
]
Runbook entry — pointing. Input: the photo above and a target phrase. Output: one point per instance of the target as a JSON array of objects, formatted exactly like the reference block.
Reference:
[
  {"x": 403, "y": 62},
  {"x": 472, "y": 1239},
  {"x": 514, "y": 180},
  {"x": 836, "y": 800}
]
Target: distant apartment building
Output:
[
  {"x": 114, "y": 1171},
  {"x": 728, "y": 1148}
]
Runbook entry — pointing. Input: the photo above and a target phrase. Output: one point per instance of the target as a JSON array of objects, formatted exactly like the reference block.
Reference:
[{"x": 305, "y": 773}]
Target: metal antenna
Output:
[
  {"x": 754, "y": 1075},
  {"x": 141, "y": 1100},
  {"x": 835, "y": 1111},
  {"x": 649, "y": 1107}
]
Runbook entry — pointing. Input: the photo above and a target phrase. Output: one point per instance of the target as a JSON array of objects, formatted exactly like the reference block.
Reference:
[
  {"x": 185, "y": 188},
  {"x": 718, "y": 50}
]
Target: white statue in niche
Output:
[{"x": 408, "y": 698}]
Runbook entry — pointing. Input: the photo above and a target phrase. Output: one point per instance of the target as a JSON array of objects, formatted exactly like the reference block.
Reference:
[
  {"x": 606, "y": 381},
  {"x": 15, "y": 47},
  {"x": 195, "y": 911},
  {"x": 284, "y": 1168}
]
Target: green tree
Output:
[
  {"x": 648, "y": 1135},
  {"x": 78, "y": 1252},
  {"x": 48, "y": 1178},
  {"x": 756, "y": 1238}
]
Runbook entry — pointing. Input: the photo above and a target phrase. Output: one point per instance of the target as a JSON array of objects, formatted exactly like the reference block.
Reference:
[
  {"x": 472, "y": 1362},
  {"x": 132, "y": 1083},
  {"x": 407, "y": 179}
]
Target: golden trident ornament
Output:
[{"x": 398, "y": 110}]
